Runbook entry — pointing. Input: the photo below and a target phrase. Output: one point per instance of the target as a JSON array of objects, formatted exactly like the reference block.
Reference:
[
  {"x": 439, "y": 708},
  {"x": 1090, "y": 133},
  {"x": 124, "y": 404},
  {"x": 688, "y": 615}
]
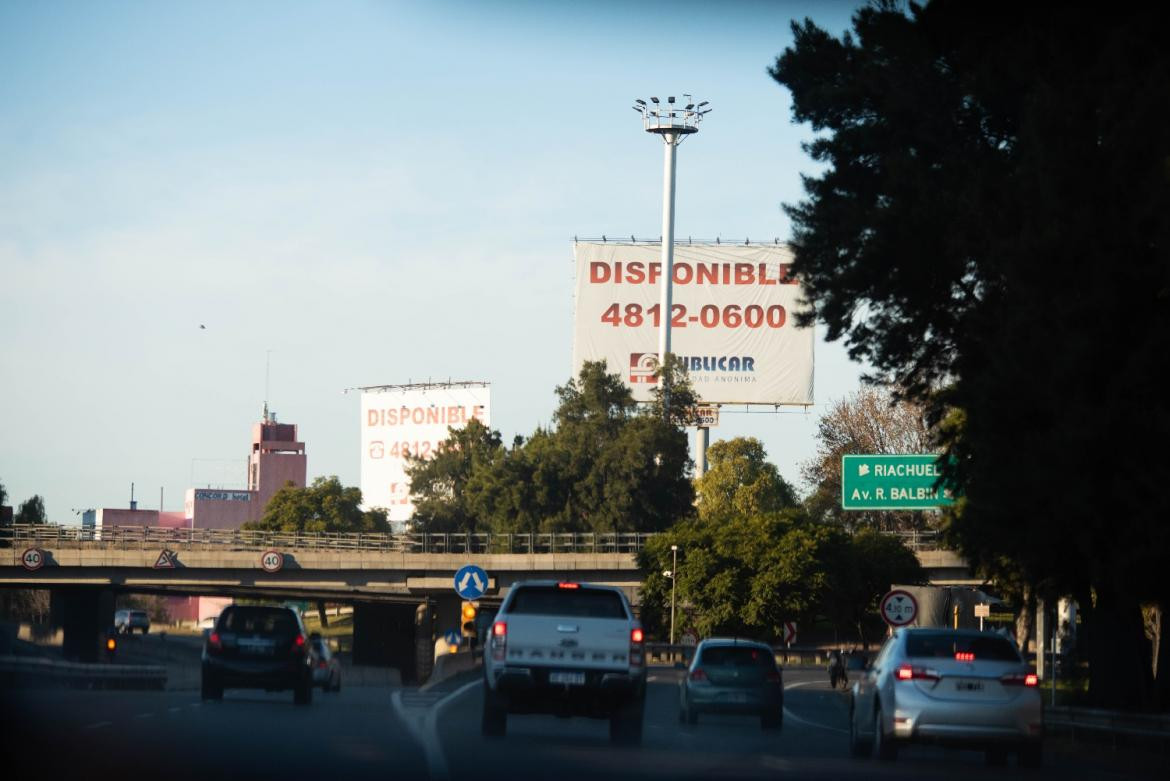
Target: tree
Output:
[
  {"x": 606, "y": 465},
  {"x": 31, "y": 511},
  {"x": 324, "y": 506},
  {"x": 438, "y": 484},
  {"x": 990, "y": 220},
  {"x": 862, "y": 569},
  {"x": 741, "y": 482},
  {"x": 871, "y": 420}
]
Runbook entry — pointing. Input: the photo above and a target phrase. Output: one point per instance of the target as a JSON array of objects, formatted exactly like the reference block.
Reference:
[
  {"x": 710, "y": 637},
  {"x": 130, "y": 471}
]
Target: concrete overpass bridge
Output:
[{"x": 400, "y": 585}]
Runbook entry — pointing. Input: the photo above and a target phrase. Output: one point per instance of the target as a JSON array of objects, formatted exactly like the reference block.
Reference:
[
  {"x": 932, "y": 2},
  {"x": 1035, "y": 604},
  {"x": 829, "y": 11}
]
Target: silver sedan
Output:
[{"x": 955, "y": 687}]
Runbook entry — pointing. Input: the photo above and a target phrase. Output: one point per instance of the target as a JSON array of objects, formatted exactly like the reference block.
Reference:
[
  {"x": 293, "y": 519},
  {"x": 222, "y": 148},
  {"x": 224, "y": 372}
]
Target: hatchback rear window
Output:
[
  {"x": 944, "y": 645},
  {"x": 257, "y": 620},
  {"x": 576, "y": 602},
  {"x": 736, "y": 656}
]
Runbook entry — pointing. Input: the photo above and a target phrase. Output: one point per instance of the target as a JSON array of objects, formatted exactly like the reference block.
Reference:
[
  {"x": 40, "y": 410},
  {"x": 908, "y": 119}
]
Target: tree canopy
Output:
[
  {"x": 31, "y": 510},
  {"x": 989, "y": 230},
  {"x": 605, "y": 465},
  {"x": 753, "y": 558},
  {"x": 324, "y": 506}
]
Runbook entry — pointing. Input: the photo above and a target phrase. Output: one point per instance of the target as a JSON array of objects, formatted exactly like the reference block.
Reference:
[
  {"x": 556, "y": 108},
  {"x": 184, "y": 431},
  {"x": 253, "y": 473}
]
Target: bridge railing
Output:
[{"x": 147, "y": 537}]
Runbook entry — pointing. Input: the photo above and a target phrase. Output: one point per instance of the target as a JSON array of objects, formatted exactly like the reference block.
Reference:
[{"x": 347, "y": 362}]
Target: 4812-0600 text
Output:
[{"x": 708, "y": 316}]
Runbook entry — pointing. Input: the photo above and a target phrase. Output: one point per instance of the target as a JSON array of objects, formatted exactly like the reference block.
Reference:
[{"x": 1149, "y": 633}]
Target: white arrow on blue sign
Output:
[
  {"x": 471, "y": 582},
  {"x": 452, "y": 637}
]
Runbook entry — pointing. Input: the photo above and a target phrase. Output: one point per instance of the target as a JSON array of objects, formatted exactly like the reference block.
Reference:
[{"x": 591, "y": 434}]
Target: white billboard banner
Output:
[
  {"x": 401, "y": 421},
  {"x": 732, "y": 321}
]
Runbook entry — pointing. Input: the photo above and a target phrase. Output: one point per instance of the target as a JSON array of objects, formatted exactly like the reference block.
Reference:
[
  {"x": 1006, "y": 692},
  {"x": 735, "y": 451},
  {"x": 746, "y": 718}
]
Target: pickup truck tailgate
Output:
[{"x": 578, "y": 642}]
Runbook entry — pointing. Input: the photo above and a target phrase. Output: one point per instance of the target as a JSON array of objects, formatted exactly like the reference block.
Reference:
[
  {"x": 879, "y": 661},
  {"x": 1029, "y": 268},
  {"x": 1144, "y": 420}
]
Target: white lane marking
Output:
[
  {"x": 425, "y": 730},
  {"x": 790, "y": 715},
  {"x": 97, "y": 725},
  {"x": 143, "y": 715},
  {"x": 175, "y": 709}
]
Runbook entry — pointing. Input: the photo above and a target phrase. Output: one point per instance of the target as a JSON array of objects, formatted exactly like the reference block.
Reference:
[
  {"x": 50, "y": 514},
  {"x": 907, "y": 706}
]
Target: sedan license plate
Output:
[
  {"x": 567, "y": 678},
  {"x": 969, "y": 686}
]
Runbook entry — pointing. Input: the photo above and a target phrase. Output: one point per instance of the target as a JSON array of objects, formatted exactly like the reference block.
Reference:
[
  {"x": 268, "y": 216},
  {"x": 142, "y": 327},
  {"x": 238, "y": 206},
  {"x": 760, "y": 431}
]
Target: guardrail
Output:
[
  {"x": 1147, "y": 726},
  {"x": 24, "y": 670},
  {"x": 145, "y": 537},
  {"x": 664, "y": 653}
]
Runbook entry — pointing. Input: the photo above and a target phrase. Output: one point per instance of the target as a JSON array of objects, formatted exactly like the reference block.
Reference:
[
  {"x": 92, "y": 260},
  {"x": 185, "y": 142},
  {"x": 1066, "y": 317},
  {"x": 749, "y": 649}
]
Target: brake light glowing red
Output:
[
  {"x": 636, "y": 635},
  {"x": 568, "y": 585},
  {"x": 214, "y": 641},
  {"x": 1020, "y": 679},
  {"x": 964, "y": 656},
  {"x": 299, "y": 641},
  {"x": 499, "y": 641},
  {"x": 907, "y": 672}
]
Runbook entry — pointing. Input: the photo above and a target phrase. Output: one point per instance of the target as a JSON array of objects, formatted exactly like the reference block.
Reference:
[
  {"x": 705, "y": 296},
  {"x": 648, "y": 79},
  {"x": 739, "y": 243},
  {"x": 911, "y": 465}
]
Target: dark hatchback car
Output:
[
  {"x": 728, "y": 675},
  {"x": 257, "y": 647}
]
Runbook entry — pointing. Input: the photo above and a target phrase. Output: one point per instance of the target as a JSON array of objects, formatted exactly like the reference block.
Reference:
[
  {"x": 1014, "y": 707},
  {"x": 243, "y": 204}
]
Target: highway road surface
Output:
[{"x": 388, "y": 733}]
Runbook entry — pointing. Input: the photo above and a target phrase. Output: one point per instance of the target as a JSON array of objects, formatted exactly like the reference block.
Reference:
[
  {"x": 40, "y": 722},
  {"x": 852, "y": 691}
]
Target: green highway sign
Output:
[{"x": 892, "y": 483}]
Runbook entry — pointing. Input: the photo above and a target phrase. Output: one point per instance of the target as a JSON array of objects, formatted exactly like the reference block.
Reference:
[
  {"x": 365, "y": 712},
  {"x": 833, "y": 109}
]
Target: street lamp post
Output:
[
  {"x": 673, "y": 581},
  {"x": 673, "y": 124}
]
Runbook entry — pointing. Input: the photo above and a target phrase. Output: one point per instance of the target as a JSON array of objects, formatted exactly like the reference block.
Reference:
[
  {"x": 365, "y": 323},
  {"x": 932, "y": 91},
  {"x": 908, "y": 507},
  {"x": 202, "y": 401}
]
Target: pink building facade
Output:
[{"x": 275, "y": 459}]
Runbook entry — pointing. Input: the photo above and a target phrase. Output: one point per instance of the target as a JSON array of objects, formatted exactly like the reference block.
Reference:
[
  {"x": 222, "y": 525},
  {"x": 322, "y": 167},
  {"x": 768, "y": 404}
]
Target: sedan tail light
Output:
[
  {"x": 911, "y": 673},
  {"x": 772, "y": 676},
  {"x": 1020, "y": 679},
  {"x": 698, "y": 675},
  {"x": 214, "y": 642}
]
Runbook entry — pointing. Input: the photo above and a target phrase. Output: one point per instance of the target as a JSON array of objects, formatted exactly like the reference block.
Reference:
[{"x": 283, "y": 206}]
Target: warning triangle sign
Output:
[{"x": 165, "y": 560}]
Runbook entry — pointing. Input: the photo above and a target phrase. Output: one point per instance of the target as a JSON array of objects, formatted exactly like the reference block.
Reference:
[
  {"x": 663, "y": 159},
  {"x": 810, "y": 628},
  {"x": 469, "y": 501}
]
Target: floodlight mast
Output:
[{"x": 673, "y": 124}]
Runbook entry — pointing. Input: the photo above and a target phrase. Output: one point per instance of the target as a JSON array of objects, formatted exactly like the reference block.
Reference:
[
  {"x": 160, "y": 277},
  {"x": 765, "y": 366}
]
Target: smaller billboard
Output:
[{"x": 410, "y": 420}]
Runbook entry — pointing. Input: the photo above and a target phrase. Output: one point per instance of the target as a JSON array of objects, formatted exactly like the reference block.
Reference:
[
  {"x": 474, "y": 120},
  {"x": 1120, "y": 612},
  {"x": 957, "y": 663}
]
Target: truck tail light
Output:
[
  {"x": 636, "y": 637},
  {"x": 499, "y": 641}
]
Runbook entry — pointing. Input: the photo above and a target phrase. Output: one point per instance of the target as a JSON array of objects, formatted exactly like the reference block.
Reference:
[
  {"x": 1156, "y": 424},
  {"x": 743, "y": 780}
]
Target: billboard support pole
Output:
[
  {"x": 673, "y": 124},
  {"x": 702, "y": 439}
]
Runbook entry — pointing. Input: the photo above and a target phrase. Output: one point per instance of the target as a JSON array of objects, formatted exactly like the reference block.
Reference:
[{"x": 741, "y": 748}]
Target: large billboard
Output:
[
  {"x": 732, "y": 321},
  {"x": 402, "y": 420}
]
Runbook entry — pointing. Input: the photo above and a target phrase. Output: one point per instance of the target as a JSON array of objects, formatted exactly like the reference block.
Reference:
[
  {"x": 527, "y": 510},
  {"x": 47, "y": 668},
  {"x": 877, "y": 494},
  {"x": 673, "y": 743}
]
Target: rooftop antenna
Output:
[{"x": 267, "y": 373}]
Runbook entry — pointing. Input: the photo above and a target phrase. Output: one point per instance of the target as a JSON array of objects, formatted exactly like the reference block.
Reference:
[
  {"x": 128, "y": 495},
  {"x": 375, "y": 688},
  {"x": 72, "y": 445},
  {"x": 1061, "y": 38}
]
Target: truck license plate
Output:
[{"x": 569, "y": 678}]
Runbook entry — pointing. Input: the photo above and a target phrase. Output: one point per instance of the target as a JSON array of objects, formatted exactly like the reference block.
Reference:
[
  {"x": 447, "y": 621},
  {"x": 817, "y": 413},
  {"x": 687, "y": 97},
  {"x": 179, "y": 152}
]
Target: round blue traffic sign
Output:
[{"x": 471, "y": 582}]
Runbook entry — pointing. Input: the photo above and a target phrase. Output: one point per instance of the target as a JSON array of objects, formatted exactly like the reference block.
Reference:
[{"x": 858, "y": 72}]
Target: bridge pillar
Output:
[
  {"x": 384, "y": 636},
  {"x": 84, "y": 614}
]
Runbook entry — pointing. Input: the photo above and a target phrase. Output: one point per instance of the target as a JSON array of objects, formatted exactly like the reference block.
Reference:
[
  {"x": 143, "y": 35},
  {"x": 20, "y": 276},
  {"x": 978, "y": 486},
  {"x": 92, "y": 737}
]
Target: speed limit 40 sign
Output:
[
  {"x": 271, "y": 561},
  {"x": 32, "y": 559}
]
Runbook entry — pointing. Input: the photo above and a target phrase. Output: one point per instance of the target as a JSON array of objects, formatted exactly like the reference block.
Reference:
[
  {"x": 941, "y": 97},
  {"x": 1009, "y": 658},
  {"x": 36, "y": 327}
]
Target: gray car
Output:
[
  {"x": 729, "y": 675},
  {"x": 950, "y": 686},
  {"x": 126, "y": 621}
]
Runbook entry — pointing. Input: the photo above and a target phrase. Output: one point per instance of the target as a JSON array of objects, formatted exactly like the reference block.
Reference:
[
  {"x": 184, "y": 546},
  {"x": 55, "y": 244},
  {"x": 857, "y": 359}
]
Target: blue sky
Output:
[{"x": 375, "y": 192}]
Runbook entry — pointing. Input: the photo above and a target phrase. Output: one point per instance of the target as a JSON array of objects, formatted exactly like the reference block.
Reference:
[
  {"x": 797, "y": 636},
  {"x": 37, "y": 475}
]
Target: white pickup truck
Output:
[{"x": 569, "y": 649}]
